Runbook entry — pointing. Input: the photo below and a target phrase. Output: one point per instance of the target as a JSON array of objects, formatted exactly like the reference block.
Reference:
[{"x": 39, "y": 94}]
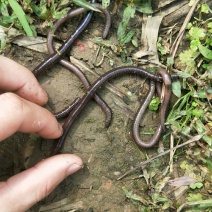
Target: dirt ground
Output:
[{"x": 106, "y": 153}]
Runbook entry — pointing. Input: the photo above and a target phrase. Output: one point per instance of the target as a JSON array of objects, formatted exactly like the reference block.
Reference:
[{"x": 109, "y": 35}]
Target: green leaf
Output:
[
  {"x": 3, "y": 9},
  {"x": 21, "y": 16},
  {"x": 154, "y": 104},
  {"x": 194, "y": 197},
  {"x": 134, "y": 42},
  {"x": 199, "y": 126},
  {"x": 127, "y": 38},
  {"x": 207, "y": 53},
  {"x": 63, "y": 3},
  {"x": 188, "y": 57},
  {"x": 105, "y": 3},
  {"x": 129, "y": 12},
  {"x": 176, "y": 88},
  {"x": 205, "y": 8},
  {"x": 186, "y": 130},
  {"x": 200, "y": 93},
  {"x": 207, "y": 139},
  {"x": 209, "y": 41},
  {"x": 85, "y": 4},
  {"x": 197, "y": 112},
  {"x": 194, "y": 44},
  {"x": 184, "y": 74},
  {"x": 210, "y": 25},
  {"x": 144, "y": 7},
  {"x": 196, "y": 185},
  {"x": 196, "y": 33},
  {"x": 8, "y": 20},
  {"x": 40, "y": 11},
  {"x": 62, "y": 13},
  {"x": 189, "y": 25},
  {"x": 170, "y": 61},
  {"x": 183, "y": 165}
]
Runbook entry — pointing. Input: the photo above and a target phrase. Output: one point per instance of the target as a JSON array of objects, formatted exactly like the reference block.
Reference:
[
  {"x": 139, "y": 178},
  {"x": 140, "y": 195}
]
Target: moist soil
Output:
[{"x": 107, "y": 153}]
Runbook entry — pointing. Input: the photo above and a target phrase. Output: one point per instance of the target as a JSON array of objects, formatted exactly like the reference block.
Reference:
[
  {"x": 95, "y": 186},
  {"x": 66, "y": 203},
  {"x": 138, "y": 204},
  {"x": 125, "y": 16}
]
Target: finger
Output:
[
  {"x": 18, "y": 114},
  {"x": 23, "y": 190},
  {"x": 18, "y": 79}
]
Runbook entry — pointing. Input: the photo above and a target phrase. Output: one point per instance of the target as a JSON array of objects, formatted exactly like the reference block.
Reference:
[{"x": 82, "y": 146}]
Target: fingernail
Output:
[{"x": 73, "y": 168}]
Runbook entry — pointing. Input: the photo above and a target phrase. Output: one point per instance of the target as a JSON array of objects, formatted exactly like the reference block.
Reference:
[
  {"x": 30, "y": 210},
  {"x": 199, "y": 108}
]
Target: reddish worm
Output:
[{"x": 141, "y": 111}]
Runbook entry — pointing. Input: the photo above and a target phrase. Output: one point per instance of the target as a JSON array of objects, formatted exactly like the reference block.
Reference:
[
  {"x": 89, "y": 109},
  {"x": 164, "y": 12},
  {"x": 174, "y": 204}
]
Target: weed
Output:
[
  {"x": 125, "y": 35},
  {"x": 22, "y": 14}
]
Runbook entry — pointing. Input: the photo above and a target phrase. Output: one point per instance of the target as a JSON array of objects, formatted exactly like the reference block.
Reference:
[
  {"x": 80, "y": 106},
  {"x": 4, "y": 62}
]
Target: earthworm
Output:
[
  {"x": 140, "y": 114},
  {"x": 163, "y": 110},
  {"x": 167, "y": 95},
  {"x": 63, "y": 113},
  {"x": 74, "y": 68},
  {"x": 91, "y": 91},
  {"x": 53, "y": 58}
]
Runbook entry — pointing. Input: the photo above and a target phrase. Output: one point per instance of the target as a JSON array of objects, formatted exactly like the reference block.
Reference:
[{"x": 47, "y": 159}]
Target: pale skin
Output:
[{"x": 21, "y": 101}]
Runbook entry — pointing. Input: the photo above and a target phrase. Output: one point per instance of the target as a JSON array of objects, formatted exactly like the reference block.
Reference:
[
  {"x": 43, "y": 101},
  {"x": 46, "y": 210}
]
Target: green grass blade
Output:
[{"x": 21, "y": 16}]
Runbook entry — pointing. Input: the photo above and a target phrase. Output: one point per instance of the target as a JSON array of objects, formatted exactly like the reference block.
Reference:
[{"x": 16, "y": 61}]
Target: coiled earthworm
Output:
[
  {"x": 91, "y": 91},
  {"x": 53, "y": 58},
  {"x": 74, "y": 68},
  {"x": 167, "y": 95},
  {"x": 163, "y": 110}
]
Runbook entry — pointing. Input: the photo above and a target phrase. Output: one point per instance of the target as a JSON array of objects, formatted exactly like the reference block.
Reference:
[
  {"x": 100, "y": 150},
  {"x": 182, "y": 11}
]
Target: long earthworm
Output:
[
  {"x": 74, "y": 68},
  {"x": 91, "y": 91},
  {"x": 142, "y": 109},
  {"x": 56, "y": 56}
]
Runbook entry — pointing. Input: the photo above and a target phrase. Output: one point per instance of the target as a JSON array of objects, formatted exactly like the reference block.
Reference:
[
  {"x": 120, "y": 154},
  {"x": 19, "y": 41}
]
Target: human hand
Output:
[{"x": 21, "y": 98}]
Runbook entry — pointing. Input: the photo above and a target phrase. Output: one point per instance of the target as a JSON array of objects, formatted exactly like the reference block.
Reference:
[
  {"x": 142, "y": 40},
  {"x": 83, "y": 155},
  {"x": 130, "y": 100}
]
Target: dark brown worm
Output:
[
  {"x": 53, "y": 58},
  {"x": 63, "y": 113},
  {"x": 56, "y": 56},
  {"x": 75, "y": 69},
  {"x": 91, "y": 91},
  {"x": 167, "y": 95}
]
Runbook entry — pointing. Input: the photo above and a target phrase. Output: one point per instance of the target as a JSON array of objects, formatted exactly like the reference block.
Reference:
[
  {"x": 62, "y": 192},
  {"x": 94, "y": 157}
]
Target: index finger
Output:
[
  {"x": 18, "y": 79},
  {"x": 18, "y": 114}
]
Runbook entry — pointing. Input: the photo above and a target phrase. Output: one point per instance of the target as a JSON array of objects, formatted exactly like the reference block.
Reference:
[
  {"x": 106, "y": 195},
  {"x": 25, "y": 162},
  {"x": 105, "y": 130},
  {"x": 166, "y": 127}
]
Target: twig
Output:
[
  {"x": 182, "y": 29},
  {"x": 193, "y": 139},
  {"x": 101, "y": 61},
  {"x": 171, "y": 153}
]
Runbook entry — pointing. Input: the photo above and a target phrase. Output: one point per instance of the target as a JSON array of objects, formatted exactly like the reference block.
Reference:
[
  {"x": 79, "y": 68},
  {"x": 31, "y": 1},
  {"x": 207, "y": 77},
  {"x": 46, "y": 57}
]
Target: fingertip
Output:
[
  {"x": 73, "y": 168},
  {"x": 53, "y": 132},
  {"x": 42, "y": 96},
  {"x": 76, "y": 164},
  {"x": 34, "y": 184},
  {"x": 60, "y": 129}
]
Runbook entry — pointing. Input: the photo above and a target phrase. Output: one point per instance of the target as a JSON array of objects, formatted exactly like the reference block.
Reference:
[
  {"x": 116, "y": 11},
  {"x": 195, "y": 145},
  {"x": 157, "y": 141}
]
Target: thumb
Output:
[{"x": 23, "y": 190}]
